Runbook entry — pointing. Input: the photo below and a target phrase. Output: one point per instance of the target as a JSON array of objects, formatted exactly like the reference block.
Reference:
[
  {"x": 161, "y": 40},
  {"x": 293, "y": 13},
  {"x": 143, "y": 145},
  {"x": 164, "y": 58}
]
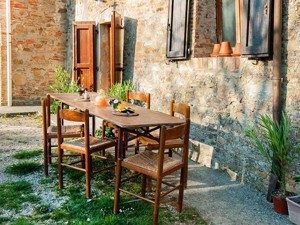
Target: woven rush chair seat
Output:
[
  {"x": 69, "y": 130},
  {"x": 153, "y": 144},
  {"x": 78, "y": 145},
  {"x": 50, "y": 133},
  {"x": 148, "y": 162}
]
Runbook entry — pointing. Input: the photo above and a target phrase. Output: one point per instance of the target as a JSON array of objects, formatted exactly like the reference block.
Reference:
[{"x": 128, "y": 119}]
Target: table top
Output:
[{"x": 145, "y": 117}]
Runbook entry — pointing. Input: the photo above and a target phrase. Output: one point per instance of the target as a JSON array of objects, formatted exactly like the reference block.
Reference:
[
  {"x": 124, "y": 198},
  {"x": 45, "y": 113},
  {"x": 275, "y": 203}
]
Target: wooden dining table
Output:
[{"x": 141, "y": 124}]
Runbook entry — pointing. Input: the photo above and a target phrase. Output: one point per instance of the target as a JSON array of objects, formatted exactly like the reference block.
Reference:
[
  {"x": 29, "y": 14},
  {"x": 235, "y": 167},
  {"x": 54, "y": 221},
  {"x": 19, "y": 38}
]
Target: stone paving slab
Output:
[{"x": 14, "y": 110}]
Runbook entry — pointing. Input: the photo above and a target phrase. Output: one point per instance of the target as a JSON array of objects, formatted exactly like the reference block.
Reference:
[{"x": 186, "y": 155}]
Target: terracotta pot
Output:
[
  {"x": 225, "y": 49},
  {"x": 216, "y": 50},
  {"x": 280, "y": 205},
  {"x": 237, "y": 50}
]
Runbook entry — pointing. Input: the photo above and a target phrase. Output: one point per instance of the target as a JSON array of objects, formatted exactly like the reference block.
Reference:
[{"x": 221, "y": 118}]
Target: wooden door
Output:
[
  {"x": 116, "y": 50},
  {"x": 84, "y": 57}
]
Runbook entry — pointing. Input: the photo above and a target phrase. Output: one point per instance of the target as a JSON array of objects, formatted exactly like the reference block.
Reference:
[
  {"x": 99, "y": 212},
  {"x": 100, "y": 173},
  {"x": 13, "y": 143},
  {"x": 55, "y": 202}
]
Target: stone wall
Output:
[
  {"x": 39, "y": 43},
  {"x": 226, "y": 95}
]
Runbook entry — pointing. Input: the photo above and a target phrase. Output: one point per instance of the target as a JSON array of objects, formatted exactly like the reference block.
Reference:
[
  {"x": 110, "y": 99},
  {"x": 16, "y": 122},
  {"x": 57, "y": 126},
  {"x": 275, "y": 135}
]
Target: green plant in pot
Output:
[{"x": 272, "y": 140}]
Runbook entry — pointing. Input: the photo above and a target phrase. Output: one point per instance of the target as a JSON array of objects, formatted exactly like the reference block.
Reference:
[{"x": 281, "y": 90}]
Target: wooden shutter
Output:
[
  {"x": 84, "y": 61},
  {"x": 256, "y": 28},
  {"x": 177, "y": 30},
  {"x": 116, "y": 48}
]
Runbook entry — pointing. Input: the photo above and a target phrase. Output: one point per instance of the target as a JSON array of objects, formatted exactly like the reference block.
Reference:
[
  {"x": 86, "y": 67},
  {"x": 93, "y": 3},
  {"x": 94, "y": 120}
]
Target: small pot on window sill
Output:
[
  {"x": 237, "y": 50},
  {"x": 216, "y": 50},
  {"x": 225, "y": 49}
]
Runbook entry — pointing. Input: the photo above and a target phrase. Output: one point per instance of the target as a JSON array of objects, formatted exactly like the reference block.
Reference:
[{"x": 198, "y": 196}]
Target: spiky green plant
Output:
[
  {"x": 297, "y": 178},
  {"x": 271, "y": 139}
]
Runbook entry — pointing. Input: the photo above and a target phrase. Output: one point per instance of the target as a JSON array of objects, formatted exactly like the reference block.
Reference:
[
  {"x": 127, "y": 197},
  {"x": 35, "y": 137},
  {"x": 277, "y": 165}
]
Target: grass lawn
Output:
[{"x": 71, "y": 205}]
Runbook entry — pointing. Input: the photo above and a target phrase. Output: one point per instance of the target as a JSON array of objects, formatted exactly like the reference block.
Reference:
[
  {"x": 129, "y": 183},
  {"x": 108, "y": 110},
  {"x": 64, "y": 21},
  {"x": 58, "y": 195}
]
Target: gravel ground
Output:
[{"x": 218, "y": 200}]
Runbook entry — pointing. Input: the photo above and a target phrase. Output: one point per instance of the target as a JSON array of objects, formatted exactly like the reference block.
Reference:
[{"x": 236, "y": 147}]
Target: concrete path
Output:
[
  {"x": 218, "y": 199},
  {"x": 13, "y": 110}
]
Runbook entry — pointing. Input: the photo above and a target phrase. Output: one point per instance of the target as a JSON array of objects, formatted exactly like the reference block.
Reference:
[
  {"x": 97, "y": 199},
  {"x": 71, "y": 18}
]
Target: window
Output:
[
  {"x": 228, "y": 19},
  {"x": 177, "y": 33}
]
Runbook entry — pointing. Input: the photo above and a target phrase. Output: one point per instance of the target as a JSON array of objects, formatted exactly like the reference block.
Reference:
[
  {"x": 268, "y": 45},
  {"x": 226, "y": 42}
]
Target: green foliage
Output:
[
  {"x": 27, "y": 154},
  {"x": 23, "y": 168},
  {"x": 271, "y": 139},
  {"x": 13, "y": 194},
  {"x": 62, "y": 84},
  {"x": 108, "y": 132},
  {"x": 22, "y": 221},
  {"x": 118, "y": 90},
  {"x": 297, "y": 178}
]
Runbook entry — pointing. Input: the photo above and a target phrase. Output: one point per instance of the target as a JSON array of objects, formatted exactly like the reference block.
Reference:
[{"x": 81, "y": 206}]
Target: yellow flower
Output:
[{"x": 101, "y": 92}]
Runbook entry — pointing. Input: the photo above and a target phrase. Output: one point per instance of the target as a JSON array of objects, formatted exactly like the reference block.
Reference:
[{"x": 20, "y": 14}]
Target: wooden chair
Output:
[
  {"x": 176, "y": 109},
  {"x": 86, "y": 146},
  {"x": 156, "y": 166},
  {"x": 131, "y": 97},
  {"x": 50, "y": 132}
]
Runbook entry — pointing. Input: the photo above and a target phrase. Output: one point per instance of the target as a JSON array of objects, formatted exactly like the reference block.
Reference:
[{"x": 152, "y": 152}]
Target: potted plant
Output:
[
  {"x": 271, "y": 139},
  {"x": 294, "y": 206}
]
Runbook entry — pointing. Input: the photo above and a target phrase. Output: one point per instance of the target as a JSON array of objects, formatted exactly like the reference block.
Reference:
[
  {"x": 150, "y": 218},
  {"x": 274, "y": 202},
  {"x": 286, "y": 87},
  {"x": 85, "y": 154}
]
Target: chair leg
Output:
[
  {"x": 45, "y": 157},
  {"x": 181, "y": 189},
  {"x": 118, "y": 171},
  {"x": 136, "y": 146},
  {"x": 185, "y": 175},
  {"x": 60, "y": 172},
  {"x": 49, "y": 151},
  {"x": 157, "y": 202},
  {"x": 170, "y": 153},
  {"x": 88, "y": 170},
  {"x": 144, "y": 182},
  {"x": 82, "y": 158}
]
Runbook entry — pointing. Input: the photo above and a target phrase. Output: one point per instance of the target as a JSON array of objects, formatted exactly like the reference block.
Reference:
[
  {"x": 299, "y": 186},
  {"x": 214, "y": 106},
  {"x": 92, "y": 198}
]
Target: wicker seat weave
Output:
[
  {"x": 95, "y": 144},
  {"x": 149, "y": 161},
  {"x": 66, "y": 130},
  {"x": 153, "y": 144}
]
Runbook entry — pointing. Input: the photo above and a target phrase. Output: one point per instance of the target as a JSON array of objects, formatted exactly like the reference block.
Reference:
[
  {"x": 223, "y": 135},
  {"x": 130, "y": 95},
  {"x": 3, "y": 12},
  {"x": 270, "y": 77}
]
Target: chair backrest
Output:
[
  {"x": 181, "y": 131},
  {"x": 180, "y": 108},
  {"x": 138, "y": 96},
  {"x": 46, "y": 111},
  {"x": 74, "y": 116},
  {"x": 46, "y": 115}
]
